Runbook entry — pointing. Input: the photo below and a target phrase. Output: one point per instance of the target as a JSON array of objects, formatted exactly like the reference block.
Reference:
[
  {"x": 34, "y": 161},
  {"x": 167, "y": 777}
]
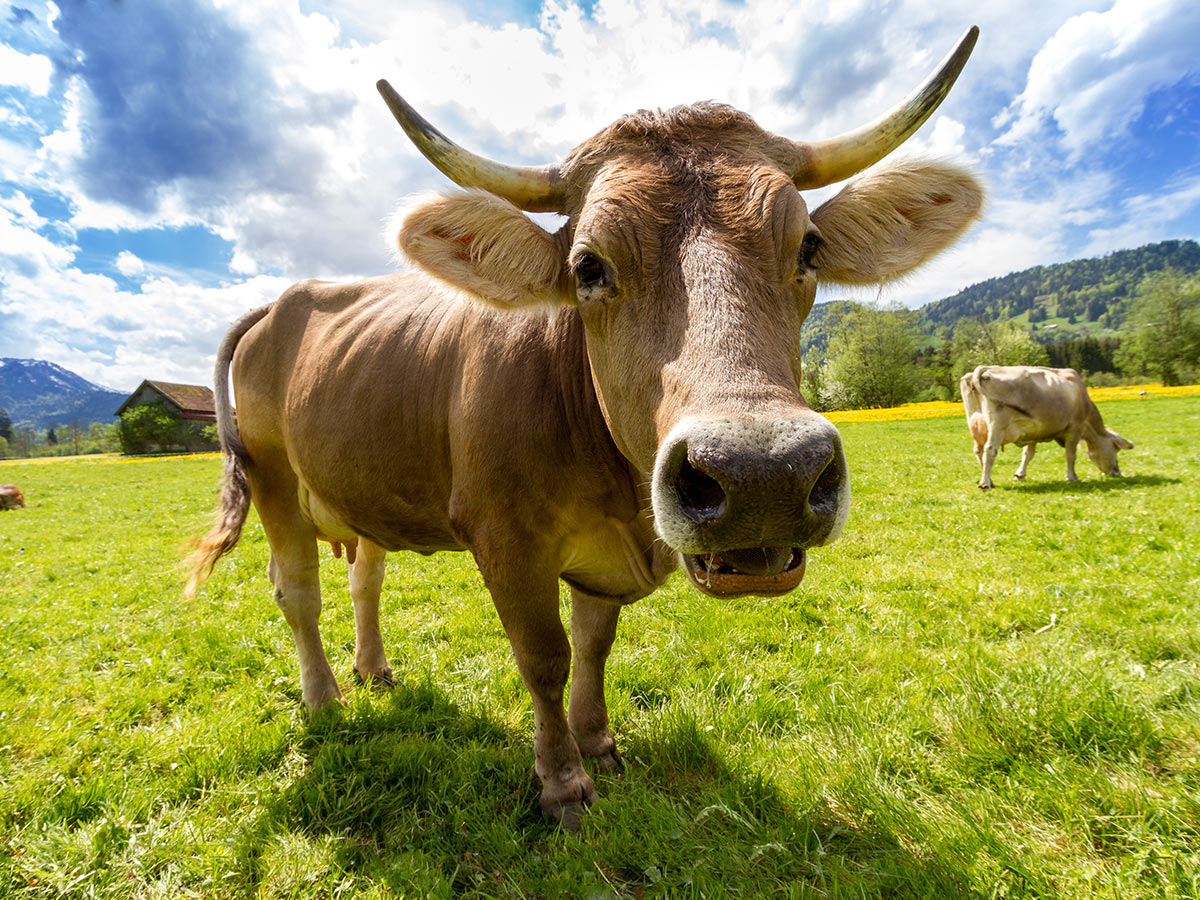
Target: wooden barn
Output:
[{"x": 191, "y": 408}]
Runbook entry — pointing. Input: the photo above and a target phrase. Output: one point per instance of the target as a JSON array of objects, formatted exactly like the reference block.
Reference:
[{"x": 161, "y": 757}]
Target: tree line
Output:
[
  {"x": 859, "y": 356},
  {"x": 147, "y": 428},
  {"x": 66, "y": 439}
]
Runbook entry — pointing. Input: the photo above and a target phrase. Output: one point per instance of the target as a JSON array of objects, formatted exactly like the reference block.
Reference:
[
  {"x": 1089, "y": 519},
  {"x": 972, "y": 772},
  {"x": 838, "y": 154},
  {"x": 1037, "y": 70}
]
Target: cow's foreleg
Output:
[
  {"x": 1026, "y": 456},
  {"x": 529, "y": 612},
  {"x": 366, "y": 583},
  {"x": 593, "y": 627},
  {"x": 1070, "y": 444}
]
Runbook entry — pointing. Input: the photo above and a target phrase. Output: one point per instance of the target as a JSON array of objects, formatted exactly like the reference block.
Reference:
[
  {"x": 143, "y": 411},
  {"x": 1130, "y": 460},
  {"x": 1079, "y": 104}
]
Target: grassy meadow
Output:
[{"x": 972, "y": 695}]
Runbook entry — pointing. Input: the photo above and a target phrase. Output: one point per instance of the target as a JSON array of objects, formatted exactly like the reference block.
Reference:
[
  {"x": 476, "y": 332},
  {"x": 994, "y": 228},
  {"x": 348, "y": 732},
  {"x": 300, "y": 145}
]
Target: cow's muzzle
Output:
[{"x": 742, "y": 500}]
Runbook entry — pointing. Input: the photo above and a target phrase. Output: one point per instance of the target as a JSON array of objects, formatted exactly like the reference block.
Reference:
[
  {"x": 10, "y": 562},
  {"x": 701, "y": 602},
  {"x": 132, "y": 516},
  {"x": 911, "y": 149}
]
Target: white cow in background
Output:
[{"x": 1026, "y": 405}]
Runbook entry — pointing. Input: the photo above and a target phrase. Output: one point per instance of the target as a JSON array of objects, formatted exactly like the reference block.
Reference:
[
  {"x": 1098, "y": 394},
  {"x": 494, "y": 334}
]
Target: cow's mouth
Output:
[{"x": 765, "y": 571}]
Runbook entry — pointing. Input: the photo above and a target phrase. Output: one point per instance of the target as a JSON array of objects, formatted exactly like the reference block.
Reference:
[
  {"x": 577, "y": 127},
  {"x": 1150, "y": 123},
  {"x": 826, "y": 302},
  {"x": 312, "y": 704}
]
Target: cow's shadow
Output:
[
  {"x": 416, "y": 775},
  {"x": 1091, "y": 486}
]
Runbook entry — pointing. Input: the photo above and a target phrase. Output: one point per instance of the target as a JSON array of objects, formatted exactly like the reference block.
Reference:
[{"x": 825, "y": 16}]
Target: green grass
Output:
[{"x": 972, "y": 695}]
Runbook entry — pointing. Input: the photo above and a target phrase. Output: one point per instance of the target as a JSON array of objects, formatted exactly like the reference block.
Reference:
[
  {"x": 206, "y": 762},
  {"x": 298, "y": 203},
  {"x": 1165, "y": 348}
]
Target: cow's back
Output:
[
  {"x": 403, "y": 408},
  {"x": 1046, "y": 402}
]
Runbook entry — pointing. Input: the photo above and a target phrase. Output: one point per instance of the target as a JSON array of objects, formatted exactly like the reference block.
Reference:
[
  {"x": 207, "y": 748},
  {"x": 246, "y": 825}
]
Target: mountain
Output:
[
  {"x": 1092, "y": 294},
  {"x": 1082, "y": 303},
  {"x": 37, "y": 394}
]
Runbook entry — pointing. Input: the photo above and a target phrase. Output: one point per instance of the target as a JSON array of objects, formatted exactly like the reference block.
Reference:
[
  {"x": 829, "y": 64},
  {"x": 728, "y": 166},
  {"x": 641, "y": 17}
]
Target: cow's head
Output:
[
  {"x": 693, "y": 261},
  {"x": 1102, "y": 447}
]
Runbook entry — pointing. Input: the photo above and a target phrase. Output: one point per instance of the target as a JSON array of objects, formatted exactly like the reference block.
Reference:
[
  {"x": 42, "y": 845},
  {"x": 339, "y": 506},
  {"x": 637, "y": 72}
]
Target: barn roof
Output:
[{"x": 195, "y": 401}]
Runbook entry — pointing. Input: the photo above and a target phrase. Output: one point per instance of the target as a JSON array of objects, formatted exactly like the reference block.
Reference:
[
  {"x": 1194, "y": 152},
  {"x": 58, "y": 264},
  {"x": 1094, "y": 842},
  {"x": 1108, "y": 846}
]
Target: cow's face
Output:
[
  {"x": 693, "y": 261},
  {"x": 1102, "y": 449},
  {"x": 692, "y": 287}
]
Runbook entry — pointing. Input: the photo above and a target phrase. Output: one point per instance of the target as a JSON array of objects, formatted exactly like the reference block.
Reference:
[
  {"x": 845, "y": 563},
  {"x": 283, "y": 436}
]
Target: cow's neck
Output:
[{"x": 587, "y": 429}]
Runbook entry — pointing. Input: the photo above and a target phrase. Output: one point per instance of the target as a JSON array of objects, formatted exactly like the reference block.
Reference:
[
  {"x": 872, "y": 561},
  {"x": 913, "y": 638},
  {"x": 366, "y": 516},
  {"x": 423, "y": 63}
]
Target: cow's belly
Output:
[
  {"x": 1007, "y": 427},
  {"x": 1029, "y": 432},
  {"x": 389, "y": 522},
  {"x": 615, "y": 561}
]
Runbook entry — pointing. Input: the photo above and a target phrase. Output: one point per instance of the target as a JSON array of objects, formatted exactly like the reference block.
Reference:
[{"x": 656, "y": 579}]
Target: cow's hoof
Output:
[
  {"x": 327, "y": 707},
  {"x": 570, "y": 816},
  {"x": 610, "y": 763},
  {"x": 985, "y": 487},
  {"x": 322, "y": 697},
  {"x": 566, "y": 805},
  {"x": 602, "y": 747},
  {"x": 379, "y": 680},
  {"x": 1018, "y": 477}
]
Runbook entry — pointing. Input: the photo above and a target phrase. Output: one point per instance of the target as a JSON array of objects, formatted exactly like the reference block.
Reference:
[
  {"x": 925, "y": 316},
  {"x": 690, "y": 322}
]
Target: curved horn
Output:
[
  {"x": 532, "y": 188},
  {"x": 823, "y": 162}
]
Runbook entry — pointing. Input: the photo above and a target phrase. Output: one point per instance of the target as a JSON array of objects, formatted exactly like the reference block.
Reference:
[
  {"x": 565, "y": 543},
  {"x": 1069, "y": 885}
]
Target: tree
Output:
[
  {"x": 105, "y": 437},
  {"x": 993, "y": 344},
  {"x": 1165, "y": 343},
  {"x": 147, "y": 425},
  {"x": 25, "y": 440},
  {"x": 869, "y": 362},
  {"x": 51, "y": 437},
  {"x": 6, "y": 431}
]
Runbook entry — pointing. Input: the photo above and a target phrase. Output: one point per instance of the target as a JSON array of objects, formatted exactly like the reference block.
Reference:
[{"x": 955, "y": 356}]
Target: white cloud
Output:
[
  {"x": 129, "y": 265},
  {"x": 1148, "y": 217},
  {"x": 23, "y": 251},
  {"x": 29, "y": 71},
  {"x": 336, "y": 164},
  {"x": 1093, "y": 76}
]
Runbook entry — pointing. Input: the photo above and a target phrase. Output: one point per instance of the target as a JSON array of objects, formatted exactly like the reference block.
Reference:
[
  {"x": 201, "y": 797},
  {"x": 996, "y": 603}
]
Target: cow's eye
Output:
[
  {"x": 808, "y": 250},
  {"x": 591, "y": 273}
]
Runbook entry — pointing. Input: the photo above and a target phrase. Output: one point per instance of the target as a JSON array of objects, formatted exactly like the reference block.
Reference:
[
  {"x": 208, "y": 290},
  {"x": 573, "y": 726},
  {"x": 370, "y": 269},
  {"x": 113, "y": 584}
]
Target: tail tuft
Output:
[
  {"x": 228, "y": 519},
  {"x": 234, "y": 504}
]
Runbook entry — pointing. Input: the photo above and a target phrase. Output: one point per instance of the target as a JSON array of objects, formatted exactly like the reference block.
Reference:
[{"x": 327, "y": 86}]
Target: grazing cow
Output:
[
  {"x": 1025, "y": 405},
  {"x": 10, "y": 497},
  {"x": 650, "y": 414}
]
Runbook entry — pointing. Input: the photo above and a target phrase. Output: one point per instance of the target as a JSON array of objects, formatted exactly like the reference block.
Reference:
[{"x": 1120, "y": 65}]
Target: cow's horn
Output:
[
  {"x": 823, "y": 162},
  {"x": 532, "y": 188}
]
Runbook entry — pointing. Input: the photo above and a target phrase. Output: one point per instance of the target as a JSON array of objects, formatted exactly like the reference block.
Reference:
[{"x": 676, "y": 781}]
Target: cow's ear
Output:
[
  {"x": 487, "y": 247},
  {"x": 1119, "y": 442},
  {"x": 890, "y": 221}
]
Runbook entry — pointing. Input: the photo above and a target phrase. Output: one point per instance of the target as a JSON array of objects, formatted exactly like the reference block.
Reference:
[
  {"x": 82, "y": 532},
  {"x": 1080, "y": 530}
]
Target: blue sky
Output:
[{"x": 168, "y": 164}]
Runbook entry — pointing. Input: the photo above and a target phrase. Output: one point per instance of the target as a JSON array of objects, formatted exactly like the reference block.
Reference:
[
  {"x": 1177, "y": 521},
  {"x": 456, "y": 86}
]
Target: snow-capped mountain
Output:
[{"x": 38, "y": 393}]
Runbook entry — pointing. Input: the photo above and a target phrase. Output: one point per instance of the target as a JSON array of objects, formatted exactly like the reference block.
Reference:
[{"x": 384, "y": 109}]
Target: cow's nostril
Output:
[
  {"x": 825, "y": 491},
  {"x": 701, "y": 498}
]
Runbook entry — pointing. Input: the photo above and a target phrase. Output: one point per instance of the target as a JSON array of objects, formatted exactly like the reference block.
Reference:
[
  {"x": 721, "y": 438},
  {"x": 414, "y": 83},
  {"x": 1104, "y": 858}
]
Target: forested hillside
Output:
[
  {"x": 1134, "y": 314},
  {"x": 1090, "y": 290}
]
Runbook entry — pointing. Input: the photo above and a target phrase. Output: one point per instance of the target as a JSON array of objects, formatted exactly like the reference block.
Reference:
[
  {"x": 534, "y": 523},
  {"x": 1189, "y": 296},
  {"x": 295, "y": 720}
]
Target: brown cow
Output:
[
  {"x": 649, "y": 413},
  {"x": 1026, "y": 405},
  {"x": 10, "y": 497}
]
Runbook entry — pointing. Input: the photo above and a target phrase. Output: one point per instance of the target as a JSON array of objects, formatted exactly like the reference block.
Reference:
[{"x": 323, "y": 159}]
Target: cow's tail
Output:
[
  {"x": 973, "y": 406},
  {"x": 234, "y": 503}
]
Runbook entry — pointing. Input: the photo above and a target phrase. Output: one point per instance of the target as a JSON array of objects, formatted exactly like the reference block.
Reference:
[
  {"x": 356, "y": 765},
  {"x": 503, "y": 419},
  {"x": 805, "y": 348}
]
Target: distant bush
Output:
[{"x": 155, "y": 427}]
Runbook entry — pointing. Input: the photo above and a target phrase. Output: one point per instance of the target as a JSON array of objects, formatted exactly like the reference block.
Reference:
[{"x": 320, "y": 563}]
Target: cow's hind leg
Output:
[
  {"x": 295, "y": 575},
  {"x": 593, "y": 628},
  {"x": 366, "y": 583},
  {"x": 1026, "y": 457},
  {"x": 989, "y": 459}
]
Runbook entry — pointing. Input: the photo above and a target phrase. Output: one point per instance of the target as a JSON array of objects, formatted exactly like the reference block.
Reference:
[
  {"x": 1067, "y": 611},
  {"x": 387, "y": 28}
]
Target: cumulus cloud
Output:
[
  {"x": 129, "y": 265},
  {"x": 1093, "y": 76},
  {"x": 29, "y": 71}
]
